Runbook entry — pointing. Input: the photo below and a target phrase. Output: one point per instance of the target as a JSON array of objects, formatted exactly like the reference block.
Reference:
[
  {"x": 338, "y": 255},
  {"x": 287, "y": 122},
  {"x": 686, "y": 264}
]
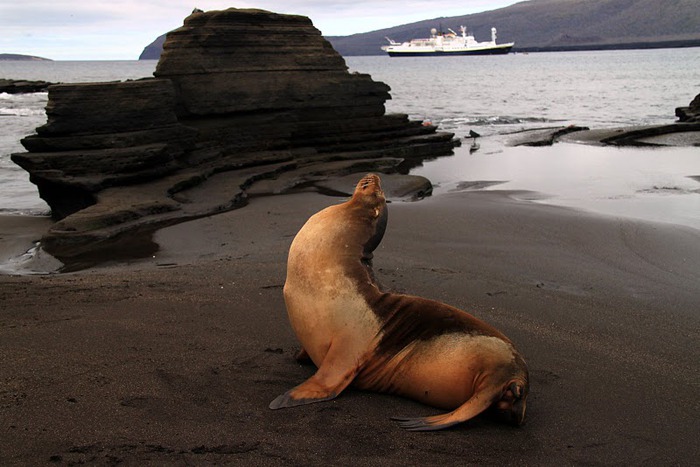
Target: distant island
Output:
[
  {"x": 26, "y": 58},
  {"x": 545, "y": 25}
]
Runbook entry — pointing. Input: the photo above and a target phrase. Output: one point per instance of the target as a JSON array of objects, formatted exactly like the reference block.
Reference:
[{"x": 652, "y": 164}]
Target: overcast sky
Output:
[{"x": 120, "y": 29}]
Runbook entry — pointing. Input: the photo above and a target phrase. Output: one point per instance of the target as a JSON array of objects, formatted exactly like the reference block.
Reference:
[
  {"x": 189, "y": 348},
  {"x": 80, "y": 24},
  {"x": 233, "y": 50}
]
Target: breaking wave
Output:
[
  {"x": 23, "y": 105},
  {"x": 669, "y": 190},
  {"x": 495, "y": 120},
  {"x": 20, "y": 112}
]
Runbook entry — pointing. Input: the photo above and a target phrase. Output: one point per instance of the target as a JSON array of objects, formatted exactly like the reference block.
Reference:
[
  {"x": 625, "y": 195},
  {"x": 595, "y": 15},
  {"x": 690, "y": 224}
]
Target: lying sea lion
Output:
[{"x": 386, "y": 342}]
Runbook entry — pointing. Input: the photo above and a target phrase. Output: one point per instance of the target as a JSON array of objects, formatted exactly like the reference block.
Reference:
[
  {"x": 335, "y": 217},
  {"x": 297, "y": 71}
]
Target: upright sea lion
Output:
[{"x": 386, "y": 342}]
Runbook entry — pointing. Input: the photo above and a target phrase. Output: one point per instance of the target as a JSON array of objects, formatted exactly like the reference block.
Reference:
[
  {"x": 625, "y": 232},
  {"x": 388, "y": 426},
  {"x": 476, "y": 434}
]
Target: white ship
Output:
[{"x": 449, "y": 43}]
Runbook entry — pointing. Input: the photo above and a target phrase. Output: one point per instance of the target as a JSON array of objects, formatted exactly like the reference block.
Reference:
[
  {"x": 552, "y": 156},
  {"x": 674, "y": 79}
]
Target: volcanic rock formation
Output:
[
  {"x": 691, "y": 113},
  {"x": 684, "y": 132},
  {"x": 243, "y": 102},
  {"x": 21, "y": 86}
]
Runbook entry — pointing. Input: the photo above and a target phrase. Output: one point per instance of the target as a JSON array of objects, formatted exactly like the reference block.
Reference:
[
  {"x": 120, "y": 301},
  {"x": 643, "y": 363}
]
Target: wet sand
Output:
[
  {"x": 175, "y": 358},
  {"x": 19, "y": 233}
]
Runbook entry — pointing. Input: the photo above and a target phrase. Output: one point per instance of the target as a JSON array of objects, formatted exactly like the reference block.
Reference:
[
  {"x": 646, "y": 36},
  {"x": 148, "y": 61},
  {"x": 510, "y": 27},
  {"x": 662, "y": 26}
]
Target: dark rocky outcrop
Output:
[
  {"x": 542, "y": 136},
  {"x": 153, "y": 50},
  {"x": 674, "y": 134},
  {"x": 685, "y": 132},
  {"x": 691, "y": 113},
  {"x": 100, "y": 135},
  {"x": 13, "y": 86},
  {"x": 243, "y": 102}
]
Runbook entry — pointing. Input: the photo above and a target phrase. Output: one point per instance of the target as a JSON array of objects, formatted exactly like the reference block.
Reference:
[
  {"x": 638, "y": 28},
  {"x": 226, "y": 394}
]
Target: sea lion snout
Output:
[
  {"x": 369, "y": 195},
  {"x": 369, "y": 180},
  {"x": 370, "y": 185}
]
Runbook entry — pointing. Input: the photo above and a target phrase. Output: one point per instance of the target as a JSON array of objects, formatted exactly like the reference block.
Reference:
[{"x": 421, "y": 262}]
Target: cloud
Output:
[
  {"x": 67, "y": 14},
  {"x": 120, "y": 29},
  {"x": 346, "y": 17}
]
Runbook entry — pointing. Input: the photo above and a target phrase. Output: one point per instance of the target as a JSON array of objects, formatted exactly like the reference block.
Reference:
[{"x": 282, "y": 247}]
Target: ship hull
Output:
[{"x": 447, "y": 53}]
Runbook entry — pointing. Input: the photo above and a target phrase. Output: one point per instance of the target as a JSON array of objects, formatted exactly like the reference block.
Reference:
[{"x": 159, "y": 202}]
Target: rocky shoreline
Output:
[
  {"x": 684, "y": 132},
  {"x": 227, "y": 116},
  {"x": 20, "y": 86},
  {"x": 173, "y": 359}
]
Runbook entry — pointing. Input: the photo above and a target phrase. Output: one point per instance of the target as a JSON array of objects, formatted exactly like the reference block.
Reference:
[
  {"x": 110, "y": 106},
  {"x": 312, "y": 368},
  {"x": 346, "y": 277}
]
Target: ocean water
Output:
[
  {"x": 494, "y": 96},
  {"x": 499, "y": 95}
]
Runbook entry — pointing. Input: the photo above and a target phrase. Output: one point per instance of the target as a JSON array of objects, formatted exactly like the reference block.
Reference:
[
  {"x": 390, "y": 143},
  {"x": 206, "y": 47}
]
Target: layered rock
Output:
[
  {"x": 243, "y": 101},
  {"x": 691, "y": 113},
  {"x": 20, "y": 86},
  {"x": 100, "y": 135},
  {"x": 684, "y": 132}
]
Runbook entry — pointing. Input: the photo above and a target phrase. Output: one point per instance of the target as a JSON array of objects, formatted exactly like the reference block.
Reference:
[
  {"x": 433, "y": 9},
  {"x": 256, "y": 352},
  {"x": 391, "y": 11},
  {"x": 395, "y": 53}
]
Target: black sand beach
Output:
[{"x": 173, "y": 360}]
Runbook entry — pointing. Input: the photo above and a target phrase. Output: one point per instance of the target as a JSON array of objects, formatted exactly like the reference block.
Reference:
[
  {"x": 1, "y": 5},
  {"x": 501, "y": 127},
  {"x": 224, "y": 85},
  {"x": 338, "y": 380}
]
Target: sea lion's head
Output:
[
  {"x": 513, "y": 402},
  {"x": 368, "y": 192},
  {"x": 369, "y": 199}
]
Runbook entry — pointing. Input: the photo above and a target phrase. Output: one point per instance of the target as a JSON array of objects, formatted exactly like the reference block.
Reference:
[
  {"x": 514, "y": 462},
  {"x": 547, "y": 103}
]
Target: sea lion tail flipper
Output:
[
  {"x": 334, "y": 375},
  {"x": 470, "y": 409}
]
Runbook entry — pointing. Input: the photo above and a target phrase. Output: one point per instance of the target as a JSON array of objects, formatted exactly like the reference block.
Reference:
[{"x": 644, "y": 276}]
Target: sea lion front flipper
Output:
[
  {"x": 301, "y": 395},
  {"x": 479, "y": 402},
  {"x": 335, "y": 374}
]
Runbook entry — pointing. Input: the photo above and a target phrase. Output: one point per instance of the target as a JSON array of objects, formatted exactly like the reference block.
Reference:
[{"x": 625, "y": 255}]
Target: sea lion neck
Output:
[{"x": 369, "y": 203}]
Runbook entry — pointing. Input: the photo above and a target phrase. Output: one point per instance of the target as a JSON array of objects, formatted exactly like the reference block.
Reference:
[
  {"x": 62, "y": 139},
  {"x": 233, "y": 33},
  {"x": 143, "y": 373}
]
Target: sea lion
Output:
[{"x": 386, "y": 342}]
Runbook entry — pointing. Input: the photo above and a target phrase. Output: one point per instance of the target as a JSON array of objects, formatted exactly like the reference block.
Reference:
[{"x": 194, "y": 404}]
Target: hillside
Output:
[
  {"x": 153, "y": 50},
  {"x": 546, "y": 25},
  {"x": 558, "y": 25}
]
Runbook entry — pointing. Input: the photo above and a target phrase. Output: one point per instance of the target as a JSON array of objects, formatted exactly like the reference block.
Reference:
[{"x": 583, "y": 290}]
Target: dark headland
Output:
[
  {"x": 557, "y": 25},
  {"x": 544, "y": 25},
  {"x": 172, "y": 359}
]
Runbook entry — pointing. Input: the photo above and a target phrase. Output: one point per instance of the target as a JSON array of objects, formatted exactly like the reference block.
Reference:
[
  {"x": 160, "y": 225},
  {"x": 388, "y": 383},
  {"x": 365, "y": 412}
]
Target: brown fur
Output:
[{"x": 386, "y": 342}]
